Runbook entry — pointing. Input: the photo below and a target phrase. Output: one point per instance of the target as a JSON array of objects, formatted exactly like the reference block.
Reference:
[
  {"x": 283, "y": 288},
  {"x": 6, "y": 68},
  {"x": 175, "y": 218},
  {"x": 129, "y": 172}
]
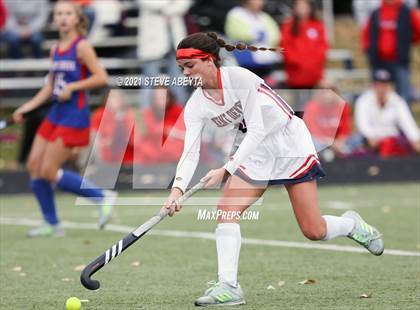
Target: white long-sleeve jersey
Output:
[
  {"x": 239, "y": 109},
  {"x": 375, "y": 122}
]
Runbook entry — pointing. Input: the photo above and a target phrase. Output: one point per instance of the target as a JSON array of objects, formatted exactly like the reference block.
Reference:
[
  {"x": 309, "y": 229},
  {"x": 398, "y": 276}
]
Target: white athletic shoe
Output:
[
  {"x": 106, "y": 207},
  {"x": 46, "y": 230},
  {"x": 221, "y": 294},
  {"x": 365, "y": 234}
]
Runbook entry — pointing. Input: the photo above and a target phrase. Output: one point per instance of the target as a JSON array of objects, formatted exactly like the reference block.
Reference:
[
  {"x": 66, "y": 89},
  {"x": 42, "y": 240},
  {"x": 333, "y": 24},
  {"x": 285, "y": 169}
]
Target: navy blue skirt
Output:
[{"x": 316, "y": 172}]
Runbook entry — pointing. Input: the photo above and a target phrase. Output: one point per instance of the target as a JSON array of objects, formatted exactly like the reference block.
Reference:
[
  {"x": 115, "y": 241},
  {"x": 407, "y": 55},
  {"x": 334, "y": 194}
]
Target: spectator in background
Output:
[
  {"x": 161, "y": 27},
  {"x": 304, "y": 46},
  {"x": 24, "y": 24},
  {"x": 112, "y": 125},
  {"x": 387, "y": 39},
  {"x": 3, "y": 15},
  {"x": 328, "y": 118},
  {"x": 363, "y": 8},
  {"x": 384, "y": 119},
  {"x": 109, "y": 19},
  {"x": 248, "y": 23},
  {"x": 162, "y": 131},
  {"x": 210, "y": 15},
  {"x": 88, "y": 11}
]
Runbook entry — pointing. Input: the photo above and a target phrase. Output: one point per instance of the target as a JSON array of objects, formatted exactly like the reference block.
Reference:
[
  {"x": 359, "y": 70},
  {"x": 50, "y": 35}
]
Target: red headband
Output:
[{"x": 192, "y": 53}]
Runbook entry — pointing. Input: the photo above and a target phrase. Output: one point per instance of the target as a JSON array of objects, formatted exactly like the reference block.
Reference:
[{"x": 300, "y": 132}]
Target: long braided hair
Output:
[{"x": 211, "y": 43}]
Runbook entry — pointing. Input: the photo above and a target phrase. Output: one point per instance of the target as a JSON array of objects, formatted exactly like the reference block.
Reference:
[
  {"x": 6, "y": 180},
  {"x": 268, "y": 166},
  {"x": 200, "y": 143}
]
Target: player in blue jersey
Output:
[{"x": 75, "y": 69}]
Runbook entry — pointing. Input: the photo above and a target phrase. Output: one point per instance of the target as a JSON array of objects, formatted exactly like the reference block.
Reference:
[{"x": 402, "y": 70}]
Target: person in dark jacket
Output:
[{"x": 387, "y": 38}]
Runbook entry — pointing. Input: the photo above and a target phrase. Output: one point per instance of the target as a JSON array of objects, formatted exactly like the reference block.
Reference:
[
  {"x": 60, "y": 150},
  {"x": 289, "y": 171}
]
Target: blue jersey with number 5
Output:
[{"x": 67, "y": 68}]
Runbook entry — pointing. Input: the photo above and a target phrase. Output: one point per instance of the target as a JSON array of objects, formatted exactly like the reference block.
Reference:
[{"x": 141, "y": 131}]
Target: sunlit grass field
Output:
[{"x": 165, "y": 271}]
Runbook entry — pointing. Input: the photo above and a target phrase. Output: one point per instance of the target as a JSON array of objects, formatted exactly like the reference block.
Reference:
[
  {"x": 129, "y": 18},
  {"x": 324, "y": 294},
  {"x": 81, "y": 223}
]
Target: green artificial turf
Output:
[{"x": 167, "y": 272}]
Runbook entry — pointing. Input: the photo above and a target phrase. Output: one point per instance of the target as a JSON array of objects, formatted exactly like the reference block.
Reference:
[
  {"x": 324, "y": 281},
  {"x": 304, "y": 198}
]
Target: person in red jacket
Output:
[
  {"x": 161, "y": 138},
  {"x": 3, "y": 14},
  {"x": 387, "y": 37},
  {"x": 304, "y": 46},
  {"x": 328, "y": 118},
  {"x": 113, "y": 124}
]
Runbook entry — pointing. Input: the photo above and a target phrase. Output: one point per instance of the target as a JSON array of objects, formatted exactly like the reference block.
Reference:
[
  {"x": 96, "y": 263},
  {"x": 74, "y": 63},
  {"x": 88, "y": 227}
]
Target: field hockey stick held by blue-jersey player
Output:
[
  {"x": 127, "y": 241},
  {"x": 4, "y": 123}
]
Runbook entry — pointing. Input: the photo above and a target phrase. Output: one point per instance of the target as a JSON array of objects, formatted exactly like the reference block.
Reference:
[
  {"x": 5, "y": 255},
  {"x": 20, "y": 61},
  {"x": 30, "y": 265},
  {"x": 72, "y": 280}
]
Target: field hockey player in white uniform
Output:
[{"x": 272, "y": 146}]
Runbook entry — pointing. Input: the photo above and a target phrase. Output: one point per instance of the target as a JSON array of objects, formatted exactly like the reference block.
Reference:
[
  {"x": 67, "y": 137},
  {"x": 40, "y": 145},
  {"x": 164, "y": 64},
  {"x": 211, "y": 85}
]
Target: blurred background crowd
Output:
[{"x": 351, "y": 68}]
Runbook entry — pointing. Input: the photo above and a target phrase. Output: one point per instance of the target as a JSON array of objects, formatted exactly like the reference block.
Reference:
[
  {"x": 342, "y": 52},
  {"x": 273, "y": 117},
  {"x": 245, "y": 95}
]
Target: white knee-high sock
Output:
[
  {"x": 228, "y": 244},
  {"x": 337, "y": 226}
]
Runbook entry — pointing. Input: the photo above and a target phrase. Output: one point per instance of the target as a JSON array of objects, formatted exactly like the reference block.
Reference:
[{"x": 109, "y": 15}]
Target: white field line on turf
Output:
[
  {"x": 208, "y": 236},
  {"x": 159, "y": 201},
  {"x": 214, "y": 201}
]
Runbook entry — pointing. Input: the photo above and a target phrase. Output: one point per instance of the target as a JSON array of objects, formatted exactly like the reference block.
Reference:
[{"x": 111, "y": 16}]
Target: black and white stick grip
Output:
[{"x": 123, "y": 244}]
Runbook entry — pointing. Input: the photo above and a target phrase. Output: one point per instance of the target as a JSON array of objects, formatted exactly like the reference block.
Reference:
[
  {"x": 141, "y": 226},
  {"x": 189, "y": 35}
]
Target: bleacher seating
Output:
[
  {"x": 37, "y": 82},
  {"x": 28, "y": 74},
  {"x": 43, "y": 65}
]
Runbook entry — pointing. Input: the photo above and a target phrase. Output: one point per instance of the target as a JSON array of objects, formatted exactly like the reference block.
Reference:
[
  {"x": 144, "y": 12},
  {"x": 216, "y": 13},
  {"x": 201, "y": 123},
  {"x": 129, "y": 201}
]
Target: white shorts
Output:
[{"x": 286, "y": 156}]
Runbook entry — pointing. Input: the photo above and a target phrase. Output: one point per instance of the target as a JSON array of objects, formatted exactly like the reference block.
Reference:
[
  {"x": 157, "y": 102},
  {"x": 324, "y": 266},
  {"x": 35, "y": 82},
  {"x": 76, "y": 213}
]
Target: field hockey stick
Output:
[
  {"x": 4, "y": 123},
  {"x": 127, "y": 241}
]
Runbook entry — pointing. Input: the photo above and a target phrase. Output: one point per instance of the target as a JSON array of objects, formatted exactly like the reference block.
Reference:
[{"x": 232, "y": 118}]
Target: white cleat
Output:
[
  {"x": 221, "y": 294},
  {"x": 106, "y": 207},
  {"x": 46, "y": 230},
  {"x": 365, "y": 234}
]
